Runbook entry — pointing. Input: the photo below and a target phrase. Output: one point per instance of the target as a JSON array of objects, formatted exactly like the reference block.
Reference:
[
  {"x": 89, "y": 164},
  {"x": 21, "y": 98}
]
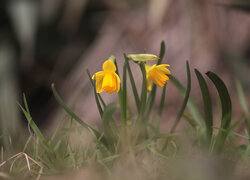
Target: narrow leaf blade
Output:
[
  {"x": 185, "y": 99},
  {"x": 226, "y": 107},
  {"x": 109, "y": 126},
  {"x": 207, "y": 105},
  {"x": 134, "y": 89}
]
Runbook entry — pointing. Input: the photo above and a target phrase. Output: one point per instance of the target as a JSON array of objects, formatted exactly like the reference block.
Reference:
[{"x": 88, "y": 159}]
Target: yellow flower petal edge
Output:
[
  {"x": 157, "y": 74},
  {"x": 107, "y": 80}
]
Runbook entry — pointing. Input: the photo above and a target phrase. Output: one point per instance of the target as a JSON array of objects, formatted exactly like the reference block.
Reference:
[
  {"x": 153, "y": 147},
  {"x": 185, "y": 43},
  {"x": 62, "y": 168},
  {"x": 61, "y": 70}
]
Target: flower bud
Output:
[{"x": 142, "y": 57}]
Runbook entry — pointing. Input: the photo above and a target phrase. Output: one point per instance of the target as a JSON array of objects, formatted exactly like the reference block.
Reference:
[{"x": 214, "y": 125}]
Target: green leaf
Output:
[
  {"x": 72, "y": 156},
  {"x": 112, "y": 58},
  {"x": 124, "y": 92},
  {"x": 226, "y": 107},
  {"x": 162, "y": 52},
  {"x": 162, "y": 100},
  {"x": 92, "y": 83},
  {"x": 151, "y": 96},
  {"x": 117, "y": 69},
  {"x": 58, "y": 144},
  {"x": 2, "y": 154},
  {"x": 207, "y": 105},
  {"x": 192, "y": 106},
  {"x": 134, "y": 89},
  {"x": 144, "y": 90},
  {"x": 73, "y": 115},
  {"x": 243, "y": 102},
  {"x": 142, "y": 57},
  {"x": 236, "y": 124},
  {"x": 34, "y": 127},
  {"x": 161, "y": 107},
  {"x": 110, "y": 158},
  {"x": 56, "y": 131},
  {"x": 109, "y": 126},
  {"x": 184, "y": 104},
  {"x": 96, "y": 95},
  {"x": 190, "y": 120},
  {"x": 233, "y": 132},
  {"x": 185, "y": 99}
]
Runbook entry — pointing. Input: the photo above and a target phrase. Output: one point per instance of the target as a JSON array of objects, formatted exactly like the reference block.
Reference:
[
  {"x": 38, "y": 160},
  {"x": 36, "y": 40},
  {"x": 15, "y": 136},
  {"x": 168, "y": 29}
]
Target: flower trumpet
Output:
[
  {"x": 157, "y": 74},
  {"x": 107, "y": 79}
]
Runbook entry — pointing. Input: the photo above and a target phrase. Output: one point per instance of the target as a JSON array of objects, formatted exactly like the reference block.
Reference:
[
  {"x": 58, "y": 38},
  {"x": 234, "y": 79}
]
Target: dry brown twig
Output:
[{"x": 27, "y": 158}]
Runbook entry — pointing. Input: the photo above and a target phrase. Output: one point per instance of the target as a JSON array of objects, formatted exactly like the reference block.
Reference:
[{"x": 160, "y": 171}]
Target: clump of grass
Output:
[{"x": 133, "y": 147}]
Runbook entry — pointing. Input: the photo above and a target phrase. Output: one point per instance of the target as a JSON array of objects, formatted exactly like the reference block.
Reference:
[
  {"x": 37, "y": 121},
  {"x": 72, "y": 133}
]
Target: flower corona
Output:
[
  {"x": 157, "y": 74},
  {"x": 107, "y": 79}
]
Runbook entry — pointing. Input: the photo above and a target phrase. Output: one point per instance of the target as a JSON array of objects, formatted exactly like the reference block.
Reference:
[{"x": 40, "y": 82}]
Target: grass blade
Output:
[
  {"x": 226, "y": 107},
  {"x": 185, "y": 99},
  {"x": 184, "y": 104},
  {"x": 99, "y": 96},
  {"x": 190, "y": 120},
  {"x": 71, "y": 113},
  {"x": 151, "y": 96},
  {"x": 109, "y": 126},
  {"x": 57, "y": 130},
  {"x": 243, "y": 102},
  {"x": 192, "y": 106},
  {"x": 236, "y": 124},
  {"x": 162, "y": 100},
  {"x": 207, "y": 105},
  {"x": 134, "y": 89},
  {"x": 124, "y": 92},
  {"x": 72, "y": 156},
  {"x": 144, "y": 89},
  {"x": 160, "y": 108},
  {"x": 34, "y": 126},
  {"x": 162, "y": 52},
  {"x": 96, "y": 95}
]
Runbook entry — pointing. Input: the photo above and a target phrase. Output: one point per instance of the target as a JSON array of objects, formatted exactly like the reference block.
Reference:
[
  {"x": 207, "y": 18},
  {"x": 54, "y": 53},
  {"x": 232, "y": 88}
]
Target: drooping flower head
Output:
[
  {"x": 157, "y": 74},
  {"x": 107, "y": 79}
]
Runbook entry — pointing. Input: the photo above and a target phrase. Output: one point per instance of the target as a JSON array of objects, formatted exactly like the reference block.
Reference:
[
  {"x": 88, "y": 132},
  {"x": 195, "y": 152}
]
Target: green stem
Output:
[
  {"x": 144, "y": 90},
  {"x": 132, "y": 81}
]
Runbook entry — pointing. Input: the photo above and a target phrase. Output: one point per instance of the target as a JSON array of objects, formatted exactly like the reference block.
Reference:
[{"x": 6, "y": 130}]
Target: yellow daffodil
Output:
[
  {"x": 157, "y": 74},
  {"x": 107, "y": 79}
]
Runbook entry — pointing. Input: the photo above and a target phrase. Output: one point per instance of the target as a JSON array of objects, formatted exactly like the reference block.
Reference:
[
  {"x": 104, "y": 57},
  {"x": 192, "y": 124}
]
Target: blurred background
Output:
[{"x": 54, "y": 41}]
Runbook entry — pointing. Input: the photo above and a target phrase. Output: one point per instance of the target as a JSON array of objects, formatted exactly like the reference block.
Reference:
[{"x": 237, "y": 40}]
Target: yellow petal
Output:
[
  {"x": 158, "y": 77},
  {"x": 109, "y": 66},
  {"x": 118, "y": 82},
  {"x": 98, "y": 75},
  {"x": 98, "y": 85},
  {"x": 163, "y": 68},
  {"x": 99, "y": 79},
  {"x": 163, "y": 65},
  {"x": 149, "y": 85},
  {"x": 109, "y": 83},
  {"x": 99, "y": 88},
  {"x": 147, "y": 68}
]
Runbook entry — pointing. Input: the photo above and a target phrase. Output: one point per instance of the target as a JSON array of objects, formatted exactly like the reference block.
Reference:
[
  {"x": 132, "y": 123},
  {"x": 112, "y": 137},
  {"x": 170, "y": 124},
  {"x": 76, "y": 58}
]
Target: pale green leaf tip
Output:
[{"x": 112, "y": 58}]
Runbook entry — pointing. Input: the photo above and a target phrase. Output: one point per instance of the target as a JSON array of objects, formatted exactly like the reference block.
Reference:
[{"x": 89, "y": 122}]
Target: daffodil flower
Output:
[
  {"x": 157, "y": 74},
  {"x": 107, "y": 79}
]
